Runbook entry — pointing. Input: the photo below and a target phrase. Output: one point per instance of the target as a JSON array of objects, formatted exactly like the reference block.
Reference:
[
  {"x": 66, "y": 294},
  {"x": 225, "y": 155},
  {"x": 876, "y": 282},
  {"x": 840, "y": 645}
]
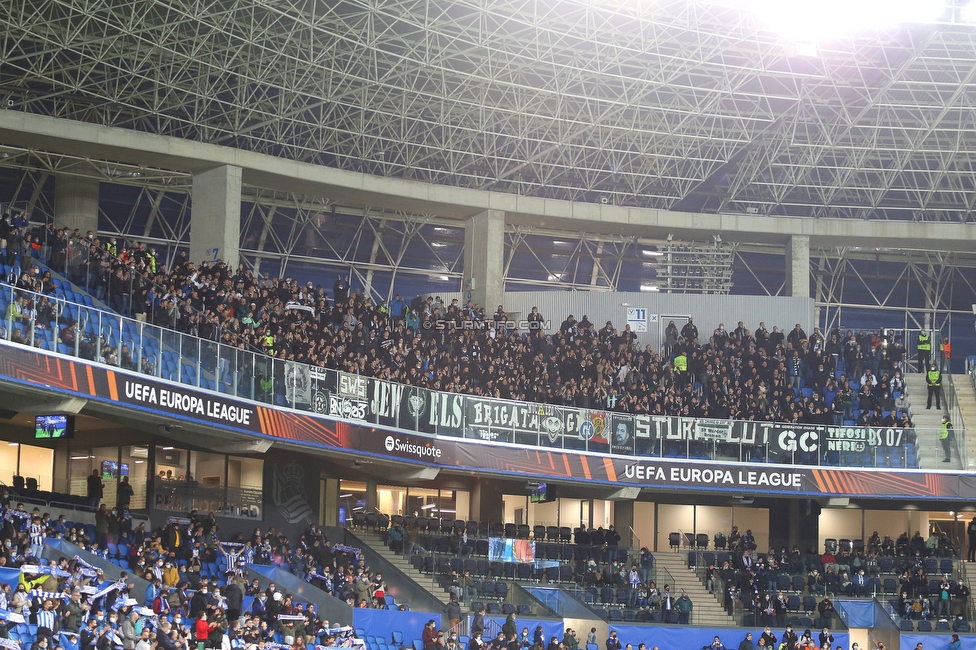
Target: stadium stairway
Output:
[
  {"x": 708, "y": 610},
  {"x": 375, "y": 543},
  {"x": 927, "y": 425},
  {"x": 966, "y": 395}
]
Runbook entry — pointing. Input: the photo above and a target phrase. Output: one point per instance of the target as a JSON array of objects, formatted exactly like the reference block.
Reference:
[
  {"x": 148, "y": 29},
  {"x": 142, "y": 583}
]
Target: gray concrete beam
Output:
[
  {"x": 122, "y": 145},
  {"x": 798, "y": 266},
  {"x": 76, "y": 203},
  {"x": 215, "y": 215},
  {"x": 484, "y": 259}
]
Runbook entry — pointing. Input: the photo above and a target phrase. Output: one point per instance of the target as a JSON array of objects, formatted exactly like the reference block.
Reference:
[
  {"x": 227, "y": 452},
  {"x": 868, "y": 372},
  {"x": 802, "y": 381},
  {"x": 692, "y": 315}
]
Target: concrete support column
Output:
[
  {"x": 484, "y": 258},
  {"x": 215, "y": 216},
  {"x": 794, "y": 523},
  {"x": 623, "y": 521},
  {"x": 329, "y": 500},
  {"x": 798, "y": 266},
  {"x": 486, "y": 501},
  {"x": 76, "y": 203},
  {"x": 372, "y": 500}
]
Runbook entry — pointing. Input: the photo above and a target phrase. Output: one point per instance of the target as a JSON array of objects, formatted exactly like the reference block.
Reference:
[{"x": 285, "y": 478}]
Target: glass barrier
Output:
[{"x": 56, "y": 325}]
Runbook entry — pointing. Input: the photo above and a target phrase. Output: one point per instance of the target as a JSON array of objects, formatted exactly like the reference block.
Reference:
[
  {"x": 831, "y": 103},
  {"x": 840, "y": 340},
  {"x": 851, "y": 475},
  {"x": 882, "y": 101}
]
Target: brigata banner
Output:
[{"x": 561, "y": 433}]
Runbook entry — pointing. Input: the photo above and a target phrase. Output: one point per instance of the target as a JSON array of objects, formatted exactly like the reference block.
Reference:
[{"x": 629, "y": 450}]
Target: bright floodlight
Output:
[
  {"x": 821, "y": 19},
  {"x": 968, "y": 13}
]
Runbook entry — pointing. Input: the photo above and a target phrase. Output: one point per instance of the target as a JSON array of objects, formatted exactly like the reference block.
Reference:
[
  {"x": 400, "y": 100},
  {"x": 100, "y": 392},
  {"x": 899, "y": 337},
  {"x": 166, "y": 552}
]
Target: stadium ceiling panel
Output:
[{"x": 674, "y": 104}]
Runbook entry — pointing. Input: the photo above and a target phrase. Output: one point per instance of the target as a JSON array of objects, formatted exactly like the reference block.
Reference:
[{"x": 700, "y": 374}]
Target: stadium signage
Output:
[
  {"x": 643, "y": 467},
  {"x": 420, "y": 450},
  {"x": 704, "y": 476},
  {"x": 179, "y": 401}
]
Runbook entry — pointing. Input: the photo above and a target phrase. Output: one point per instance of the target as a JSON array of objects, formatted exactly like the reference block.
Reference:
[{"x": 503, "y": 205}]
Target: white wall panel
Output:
[{"x": 707, "y": 311}]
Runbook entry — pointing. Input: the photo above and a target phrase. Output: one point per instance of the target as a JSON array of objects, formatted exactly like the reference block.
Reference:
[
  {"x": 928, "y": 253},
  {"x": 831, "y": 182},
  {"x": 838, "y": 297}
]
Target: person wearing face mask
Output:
[
  {"x": 89, "y": 634},
  {"x": 8, "y": 549},
  {"x": 20, "y": 600},
  {"x": 153, "y": 592},
  {"x": 199, "y": 601},
  {"x": 257, "y": 605},
  {"x": 40, "y": 644},
  {"x": 171, "y": 575},
  {"x": 157, "y": 570}
]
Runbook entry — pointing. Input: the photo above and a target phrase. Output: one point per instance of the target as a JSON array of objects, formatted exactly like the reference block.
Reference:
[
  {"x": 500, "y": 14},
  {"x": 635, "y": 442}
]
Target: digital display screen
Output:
[
  {"x": 109, "y": 470},
  {"x": 53, "y": 426},
  {"x": 543, "y": 494},
  {"x": 503, "y": 549}
]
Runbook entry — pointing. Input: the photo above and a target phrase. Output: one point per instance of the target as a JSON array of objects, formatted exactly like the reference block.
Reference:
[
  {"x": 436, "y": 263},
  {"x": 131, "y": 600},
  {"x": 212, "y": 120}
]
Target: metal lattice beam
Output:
[{"x": 655, "y": 104}]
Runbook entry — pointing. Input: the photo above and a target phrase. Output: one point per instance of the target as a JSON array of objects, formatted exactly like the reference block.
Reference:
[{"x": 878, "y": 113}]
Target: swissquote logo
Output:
[{"x": 412, "y": 449}]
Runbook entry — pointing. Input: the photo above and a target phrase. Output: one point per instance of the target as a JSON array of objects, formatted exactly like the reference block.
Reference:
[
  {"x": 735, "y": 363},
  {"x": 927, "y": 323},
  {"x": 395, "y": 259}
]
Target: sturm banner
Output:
[{"x": 444, "y": 415}]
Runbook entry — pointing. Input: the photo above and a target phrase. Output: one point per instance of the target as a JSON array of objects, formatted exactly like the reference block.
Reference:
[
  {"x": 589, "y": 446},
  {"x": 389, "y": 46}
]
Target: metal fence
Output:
[{"x": 85, "y": 331}]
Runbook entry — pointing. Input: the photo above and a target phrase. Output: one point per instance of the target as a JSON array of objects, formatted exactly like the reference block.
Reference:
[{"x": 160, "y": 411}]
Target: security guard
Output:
[
  {"x": 945, "y": 436},
  {"x": 934, "y": 380},
  {"x": 681, "y": 368},
  {"x": 924, "y": 347}
]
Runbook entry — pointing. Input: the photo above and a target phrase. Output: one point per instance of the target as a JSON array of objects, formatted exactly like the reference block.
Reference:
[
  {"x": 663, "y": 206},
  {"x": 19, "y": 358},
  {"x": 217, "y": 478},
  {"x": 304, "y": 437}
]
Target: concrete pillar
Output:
[
  {"x": 623, "y": 521},
  {"x": 798, "y": 266},
  {"x": 329, "y": 498},
  {"x": 794, "y": 523},
  {"x": 215, "y": 216},
  {"x": 486, "y": 501},
  {"x": 484, "y": 259},
  {"x": 372, "y": 501},
  {"x": 76, "y": 203}
]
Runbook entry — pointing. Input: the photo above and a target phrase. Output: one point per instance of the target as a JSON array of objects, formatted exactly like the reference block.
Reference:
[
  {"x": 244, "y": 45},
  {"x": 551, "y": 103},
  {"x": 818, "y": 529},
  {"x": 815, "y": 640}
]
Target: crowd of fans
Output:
[
  {"x": 753, "y": 579},
  {"x": 738, "y": 373},
  {"x": 74, "y": 605}
]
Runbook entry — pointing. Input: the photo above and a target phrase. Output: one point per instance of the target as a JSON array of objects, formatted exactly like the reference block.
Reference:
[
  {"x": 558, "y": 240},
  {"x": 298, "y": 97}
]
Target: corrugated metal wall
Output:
[{"x": 708, "y": 311}]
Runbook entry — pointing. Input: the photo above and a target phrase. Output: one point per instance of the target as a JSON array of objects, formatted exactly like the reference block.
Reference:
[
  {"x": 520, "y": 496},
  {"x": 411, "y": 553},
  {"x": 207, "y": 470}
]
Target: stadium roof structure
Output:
[
  {"x": 368, "y": 130},
  {"x": 688, "y": 105}
]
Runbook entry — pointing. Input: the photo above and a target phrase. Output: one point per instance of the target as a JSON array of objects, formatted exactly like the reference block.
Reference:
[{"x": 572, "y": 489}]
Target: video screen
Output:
[
  {"x": 502, "y": 549},
  {"x": 53, "y": 426},
  {"x": 543, "y": 493},
  {"x": 109, "y": 470}
]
